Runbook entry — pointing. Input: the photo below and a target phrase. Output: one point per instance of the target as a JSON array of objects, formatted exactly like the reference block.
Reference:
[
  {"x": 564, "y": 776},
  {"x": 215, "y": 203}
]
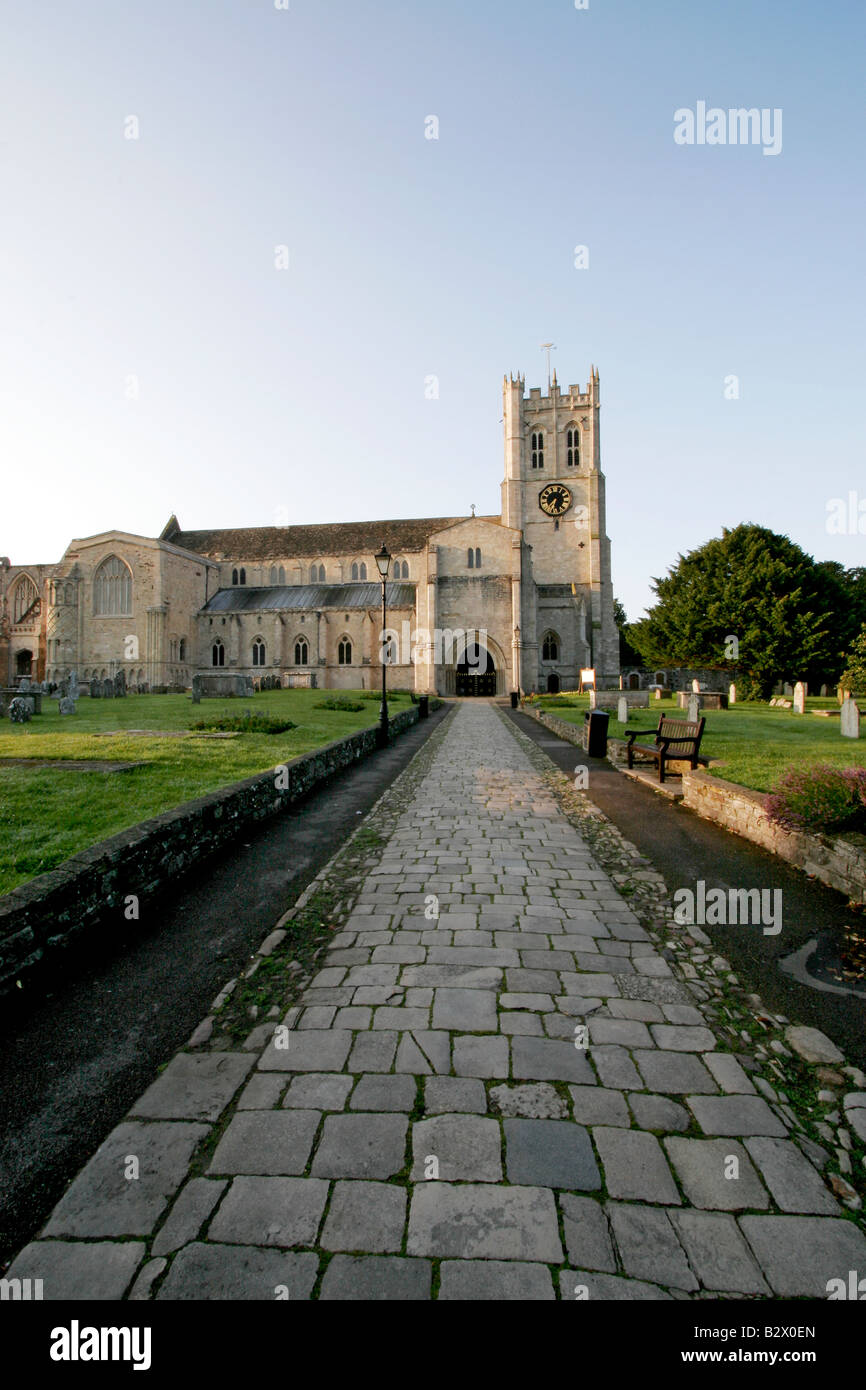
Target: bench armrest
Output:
[{"x": 641, "y": 733}]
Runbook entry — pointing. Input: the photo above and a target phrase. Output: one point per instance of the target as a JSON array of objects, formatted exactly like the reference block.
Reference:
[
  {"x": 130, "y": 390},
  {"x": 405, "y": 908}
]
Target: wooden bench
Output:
[{"x": 675, "y": 740}]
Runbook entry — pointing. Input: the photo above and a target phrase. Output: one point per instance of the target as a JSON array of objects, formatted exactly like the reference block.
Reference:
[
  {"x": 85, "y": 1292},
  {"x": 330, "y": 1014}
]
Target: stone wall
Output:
[
  {"x": 572, "y": 733},
  {"x": 837, "y": 860},
  {"x": 86, "y": 895}
]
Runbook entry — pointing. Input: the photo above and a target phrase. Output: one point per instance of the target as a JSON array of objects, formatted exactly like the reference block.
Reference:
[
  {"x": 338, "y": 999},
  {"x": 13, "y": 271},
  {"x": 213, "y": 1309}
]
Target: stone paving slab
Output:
[{"x": 493, "y": 1087}]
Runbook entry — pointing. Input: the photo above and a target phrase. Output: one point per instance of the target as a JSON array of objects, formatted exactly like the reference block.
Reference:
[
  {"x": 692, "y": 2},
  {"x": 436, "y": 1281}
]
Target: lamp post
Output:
[{"x": 383, "y": 564}]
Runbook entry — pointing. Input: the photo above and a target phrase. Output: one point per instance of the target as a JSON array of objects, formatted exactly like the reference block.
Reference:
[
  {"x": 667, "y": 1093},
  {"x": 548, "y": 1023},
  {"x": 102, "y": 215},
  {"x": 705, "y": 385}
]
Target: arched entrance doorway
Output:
[
  {"x": 23, "y": 663},
  {"x": 634, "y": 681},
  {"x": 553, "y": 684},
  {"x": 475, "y": 672}
]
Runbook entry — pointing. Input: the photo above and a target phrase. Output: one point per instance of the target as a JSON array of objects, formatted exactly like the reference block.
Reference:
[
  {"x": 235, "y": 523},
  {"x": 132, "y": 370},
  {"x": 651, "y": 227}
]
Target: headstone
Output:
[
  {"x": 67, "y": 706},
  {"x": 18, "y": 711},
  {"x": 44, "y": 687},
  {"x": 657, "y": 693},
  {"x": 30, "y": 703},
  {"x": 694, "y": 706},
  {"x": 592, "y": 698},
  {"x": 24, "y": 683},
  {"x": 850, "y": 719},
  {"x": 73, "y": 686},
  {"x": 732, "y": 694},
  {"x": 696, "y": 687},
  {"x": 799, "y": 698},
  {"x": 773, "y": 702},
  {"x": 622, "y": 710},
  {"x": 120, "y": 685},
  {"x": 788, "y": 690},
  {"x": 108, "y": 688},
  {"x": 824, "y": 692},
  {"x": 96, "y": 690}
]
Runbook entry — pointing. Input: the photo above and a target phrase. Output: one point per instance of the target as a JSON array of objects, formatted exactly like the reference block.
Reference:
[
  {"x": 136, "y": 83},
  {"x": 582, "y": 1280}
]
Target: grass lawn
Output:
[
  {"x": 48, "y": 814},
  {"x": 755, "y": 743}
]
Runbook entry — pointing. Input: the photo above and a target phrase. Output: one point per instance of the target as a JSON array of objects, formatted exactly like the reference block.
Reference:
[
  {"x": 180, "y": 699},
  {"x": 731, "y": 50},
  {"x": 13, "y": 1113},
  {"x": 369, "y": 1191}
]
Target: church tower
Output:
[{"x": 553, "y": 492}]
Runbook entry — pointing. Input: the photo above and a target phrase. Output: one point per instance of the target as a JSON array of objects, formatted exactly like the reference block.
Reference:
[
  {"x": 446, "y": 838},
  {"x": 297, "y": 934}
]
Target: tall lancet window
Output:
[{"x": 537, "y": 448}]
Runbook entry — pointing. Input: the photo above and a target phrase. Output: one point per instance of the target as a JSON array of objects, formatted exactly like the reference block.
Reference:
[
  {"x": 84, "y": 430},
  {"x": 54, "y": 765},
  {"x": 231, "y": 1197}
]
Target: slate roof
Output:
[
  {"x": 243, "y": 599},
  {"x": 310, "y": 542}
]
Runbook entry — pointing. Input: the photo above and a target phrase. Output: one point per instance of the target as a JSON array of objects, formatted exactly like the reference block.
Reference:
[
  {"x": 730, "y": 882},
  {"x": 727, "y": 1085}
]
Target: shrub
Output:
[
  {"x": 341, "y": 702},
  {"x": 248, "y": 723},
  {"x": 819, "y": 798}
]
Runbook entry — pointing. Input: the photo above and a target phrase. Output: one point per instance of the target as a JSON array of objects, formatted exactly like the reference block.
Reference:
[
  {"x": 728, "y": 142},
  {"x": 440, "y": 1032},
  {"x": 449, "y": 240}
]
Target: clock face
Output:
[{"x": 554, "y": 499}]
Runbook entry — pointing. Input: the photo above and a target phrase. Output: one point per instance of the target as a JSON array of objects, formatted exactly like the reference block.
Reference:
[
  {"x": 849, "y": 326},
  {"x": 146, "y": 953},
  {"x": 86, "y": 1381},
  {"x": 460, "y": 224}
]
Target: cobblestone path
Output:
[{"x": 513, "y": 1099}]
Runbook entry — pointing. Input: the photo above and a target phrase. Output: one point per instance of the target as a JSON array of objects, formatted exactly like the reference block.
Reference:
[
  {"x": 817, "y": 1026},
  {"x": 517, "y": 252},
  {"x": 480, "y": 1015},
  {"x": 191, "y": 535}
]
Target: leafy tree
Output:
[
  {"x": 628, "y": 655},
  {"x": 753, "y": 602},
  {"x": 854, "y": 675}
]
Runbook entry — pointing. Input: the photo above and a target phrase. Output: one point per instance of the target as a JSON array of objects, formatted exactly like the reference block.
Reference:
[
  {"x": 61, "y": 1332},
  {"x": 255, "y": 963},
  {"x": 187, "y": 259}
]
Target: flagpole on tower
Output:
[{"x": 546, "y": 347}]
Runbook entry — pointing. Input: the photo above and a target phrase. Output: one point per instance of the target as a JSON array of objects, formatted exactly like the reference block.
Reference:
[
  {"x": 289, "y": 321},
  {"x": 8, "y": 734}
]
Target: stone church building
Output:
[{"x": 476, "y": 605}]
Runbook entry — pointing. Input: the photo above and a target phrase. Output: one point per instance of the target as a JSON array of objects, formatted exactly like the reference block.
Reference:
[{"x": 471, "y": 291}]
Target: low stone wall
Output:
[
  {"x": 837, "y": 860},
  {"x": 573, "y": 733},
  {"x": 87, "y": 894}
]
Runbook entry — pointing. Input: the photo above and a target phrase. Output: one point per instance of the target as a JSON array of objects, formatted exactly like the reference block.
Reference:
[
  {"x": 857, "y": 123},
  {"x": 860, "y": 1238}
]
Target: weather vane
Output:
[{"x": 472, "y": 504}]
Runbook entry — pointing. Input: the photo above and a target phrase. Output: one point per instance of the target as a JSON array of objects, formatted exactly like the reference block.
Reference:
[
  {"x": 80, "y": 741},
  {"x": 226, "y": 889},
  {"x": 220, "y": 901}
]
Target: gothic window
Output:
[
  {"x": 242, "y": 578},
  {"x": 217, "y": 654},
  {"x": 401, "y": 569},
  {"x": 537, "y": 447},
  {"x": 69, "y": 598},
  {"x": 282, "y": 575},
  {"x": 550, "y": 647},
  {"x": 473, "y": 556},
  {"x": 112, "y": 588},
  {"x": 359, "y": 571},
  {"x": 344, "y": 652},
  {"x": 273, "y": 574},
  {"x": 234, "y": 576},
  {"x": 572, "y": 440},
  {"x": 317, "y": 574},
  {"x": 182, "y": 649},
  {"x": 470, "y": 557},
  {"x": 258, "y": 652},
  {"x": 302, "y": 652},
  {"x": 23, "y": 597}
]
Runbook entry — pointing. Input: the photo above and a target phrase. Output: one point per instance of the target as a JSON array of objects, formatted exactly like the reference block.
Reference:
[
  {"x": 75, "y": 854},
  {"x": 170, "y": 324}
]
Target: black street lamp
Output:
[{"x": 383, "y": 564}]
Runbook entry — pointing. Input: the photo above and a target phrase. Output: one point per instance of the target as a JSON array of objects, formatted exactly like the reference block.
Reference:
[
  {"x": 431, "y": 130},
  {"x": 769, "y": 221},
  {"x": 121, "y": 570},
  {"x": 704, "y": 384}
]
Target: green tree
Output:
[
  {"x": 753, "y": 602},
  {"x": 628, "y": 655},
  {"x": 854, "y": 675}
]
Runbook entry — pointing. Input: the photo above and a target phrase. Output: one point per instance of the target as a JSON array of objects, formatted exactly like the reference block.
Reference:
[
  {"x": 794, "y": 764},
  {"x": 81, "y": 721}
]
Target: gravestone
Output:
[
  {"x": 696, "y": 687},
  {"x": 18, "y": 710},
  {"x": 95, "y": 690},
  {"x": 108, "y": 688},
  {"x": 732, "y": 694},
  {"x": 24, "y": 683},
  {"x": 120, "y": 685},
  {"x": 694, "y": 707},
  {"x": 850, "y": 719},
  {"x": 622, "y": 710},
  {"x": 657, "y": 693},
  {"x": 824, "y": 692},
  {"x": 799, "y": 698},
  {"x": 67, "y": 706},
  {"x": 44, "y": 687},
  {"x": 72, "y": 689},
  {"x": 787, "y": 689}
]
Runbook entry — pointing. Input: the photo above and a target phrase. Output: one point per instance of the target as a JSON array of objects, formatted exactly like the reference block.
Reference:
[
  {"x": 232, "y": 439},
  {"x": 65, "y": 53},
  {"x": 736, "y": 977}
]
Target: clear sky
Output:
[{"x": 153, "y": 358}]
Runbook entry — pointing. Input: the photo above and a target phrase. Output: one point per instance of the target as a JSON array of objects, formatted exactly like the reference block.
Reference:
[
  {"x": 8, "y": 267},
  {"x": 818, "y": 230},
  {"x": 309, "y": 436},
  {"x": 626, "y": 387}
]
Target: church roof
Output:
[
  {"x": 280, "y": 597},
  {"x": 283, "y": 542}
]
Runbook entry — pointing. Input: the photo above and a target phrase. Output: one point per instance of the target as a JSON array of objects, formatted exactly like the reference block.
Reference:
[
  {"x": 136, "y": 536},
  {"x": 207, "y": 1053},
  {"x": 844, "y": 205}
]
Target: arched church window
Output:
[
  {"x": 258, "y": 652},
  {"x": 234, "y": 576},
  {"x": 182, "y": 649},
  {"x": 537, "y": 448},
  {"x": 344, "y": 652},
  {"x": 242, "y": 577},
  {"x": 273, "y": 574},
  {"x": 112, "y": 588},
  {"x": 23, "y": 597},
  {"x": 550, "y": 647},
  {"x": 217, "y": 654},
  {"x": 302, "y": 653},
  {"x": 282, "y": 575},
  {"x": 470, "y": 558},
  {"x": 572, "y": 455}
]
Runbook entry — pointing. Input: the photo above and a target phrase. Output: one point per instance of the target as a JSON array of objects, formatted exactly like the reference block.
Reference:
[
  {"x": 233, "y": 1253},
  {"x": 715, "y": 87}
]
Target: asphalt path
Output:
[
  {"x": 81, "y": 1047},
  {"x": 686, "y": 848}
]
